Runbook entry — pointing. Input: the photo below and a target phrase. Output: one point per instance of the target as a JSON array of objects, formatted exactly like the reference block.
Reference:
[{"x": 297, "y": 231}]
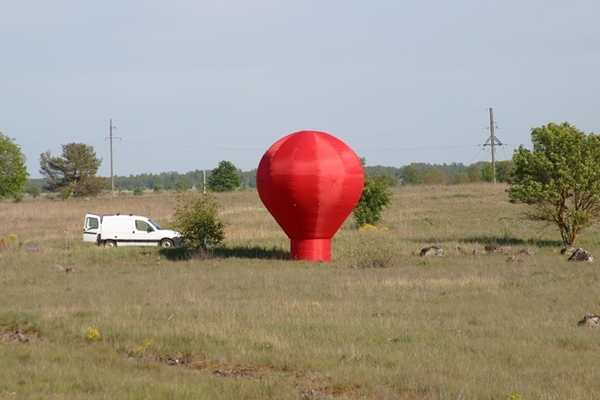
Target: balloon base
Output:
[{"x": 311, "y": 249}]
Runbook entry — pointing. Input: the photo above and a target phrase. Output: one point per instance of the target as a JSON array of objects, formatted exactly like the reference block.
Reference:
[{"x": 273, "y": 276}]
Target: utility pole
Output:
[
  {"x": 493, "y": 141},
  {"x": 112, "y": 175}
]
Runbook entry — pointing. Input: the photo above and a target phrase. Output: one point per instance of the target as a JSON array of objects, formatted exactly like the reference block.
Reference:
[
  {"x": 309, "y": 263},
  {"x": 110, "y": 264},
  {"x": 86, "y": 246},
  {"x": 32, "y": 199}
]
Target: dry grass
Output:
[{"x": 377, "y": 322}]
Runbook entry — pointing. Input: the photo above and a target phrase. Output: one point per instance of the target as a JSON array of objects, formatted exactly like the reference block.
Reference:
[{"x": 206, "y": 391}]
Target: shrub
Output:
[
  {"x": 197, "y": 218},
  {"x": 375, "y": 197}
]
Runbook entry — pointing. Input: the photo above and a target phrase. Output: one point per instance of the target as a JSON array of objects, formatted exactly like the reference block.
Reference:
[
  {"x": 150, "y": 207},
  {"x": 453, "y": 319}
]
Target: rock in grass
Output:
[
  {"x": 492, "y": 248},
  {"x": 568, "y": 250},
  {"x": 590, "y": 320},
  {"x": 581, "y": 255},
  {"x": 432, "y": 251}
]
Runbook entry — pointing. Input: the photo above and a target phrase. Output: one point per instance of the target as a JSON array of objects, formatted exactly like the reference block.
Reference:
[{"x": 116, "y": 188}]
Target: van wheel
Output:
[
  {"x": 166, "y": 243},
  {"x": 110, "y": 243}
]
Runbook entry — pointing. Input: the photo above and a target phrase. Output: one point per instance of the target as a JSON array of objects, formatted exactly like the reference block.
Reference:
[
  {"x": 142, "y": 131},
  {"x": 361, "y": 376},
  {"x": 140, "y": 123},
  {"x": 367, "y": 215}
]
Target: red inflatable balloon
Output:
[{"x": 310, "y": 182}]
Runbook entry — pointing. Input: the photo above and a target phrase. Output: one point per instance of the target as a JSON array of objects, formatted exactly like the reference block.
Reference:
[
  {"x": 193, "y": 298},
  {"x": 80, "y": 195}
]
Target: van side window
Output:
[
  {"x": 92, "y": 223},
  {"x": 143, "y": 226}
]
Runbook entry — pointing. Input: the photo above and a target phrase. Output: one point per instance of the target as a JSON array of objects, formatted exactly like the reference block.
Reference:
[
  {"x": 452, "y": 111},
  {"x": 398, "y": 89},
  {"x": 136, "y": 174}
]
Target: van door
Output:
[
  {"x": 91, "y": 228},
  {"x": 145, "y": 233}
]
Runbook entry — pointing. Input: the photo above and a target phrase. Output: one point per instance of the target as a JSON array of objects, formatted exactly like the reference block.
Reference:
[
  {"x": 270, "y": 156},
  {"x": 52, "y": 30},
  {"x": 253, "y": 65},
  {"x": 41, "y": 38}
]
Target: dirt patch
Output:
[
  {"x": 12, "y": 334},
  {"x": 331, "y": 392},
  {"x": 308, "y": 385},
  {"x": 231, "y": 370},
  {"x": 217, "y": 368},
  {"x": 182, "y": 360}
]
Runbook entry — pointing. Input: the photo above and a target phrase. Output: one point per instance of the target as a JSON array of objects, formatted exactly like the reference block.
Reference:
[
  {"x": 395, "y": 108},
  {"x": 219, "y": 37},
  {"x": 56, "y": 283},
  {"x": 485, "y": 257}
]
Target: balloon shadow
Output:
[
  {"x": 255, "y": 252},
  {"x": 252, "y": 252}
]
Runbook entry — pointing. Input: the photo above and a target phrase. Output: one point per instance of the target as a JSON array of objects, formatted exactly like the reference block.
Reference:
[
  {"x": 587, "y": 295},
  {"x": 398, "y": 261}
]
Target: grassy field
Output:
[{"x": 378, "y": 322}]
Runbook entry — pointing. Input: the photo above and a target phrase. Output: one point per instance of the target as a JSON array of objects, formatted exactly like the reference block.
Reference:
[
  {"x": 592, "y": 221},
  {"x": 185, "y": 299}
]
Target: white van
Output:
[{"x": 127, "y": 230}]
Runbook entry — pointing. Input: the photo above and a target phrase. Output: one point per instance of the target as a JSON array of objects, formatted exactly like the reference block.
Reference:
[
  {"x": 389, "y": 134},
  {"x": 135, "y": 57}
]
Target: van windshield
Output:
[{"x": 156, "y": 224}]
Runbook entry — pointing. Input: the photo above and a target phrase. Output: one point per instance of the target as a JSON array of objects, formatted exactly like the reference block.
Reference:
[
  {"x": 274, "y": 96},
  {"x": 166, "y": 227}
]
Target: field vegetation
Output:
[{"x": 378, "y": 322}]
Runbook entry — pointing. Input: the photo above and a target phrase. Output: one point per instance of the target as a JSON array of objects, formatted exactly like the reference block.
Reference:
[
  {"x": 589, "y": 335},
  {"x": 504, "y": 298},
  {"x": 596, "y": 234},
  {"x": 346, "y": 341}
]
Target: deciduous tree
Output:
[
  {"x": 224, "y": 178},
  {"x": 74, "y": 173},
  {"x": 13, "y": 172},
  {"x": 559, "y": 179}
]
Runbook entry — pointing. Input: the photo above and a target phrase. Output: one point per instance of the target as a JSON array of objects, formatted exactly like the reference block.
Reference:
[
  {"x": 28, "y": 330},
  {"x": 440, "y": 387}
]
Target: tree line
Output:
[
  {"x": 441, "y": 174},
  {"x": 412, "y": 174}
]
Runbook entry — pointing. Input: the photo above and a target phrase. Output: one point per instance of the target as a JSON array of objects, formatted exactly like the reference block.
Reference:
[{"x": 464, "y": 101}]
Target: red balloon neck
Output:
[{"x": 311, "y": 249}]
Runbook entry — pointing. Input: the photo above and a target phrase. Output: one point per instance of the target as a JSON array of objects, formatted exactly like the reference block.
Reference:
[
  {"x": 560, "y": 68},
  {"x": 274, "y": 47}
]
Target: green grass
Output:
[{"x": 377, "y": 322}]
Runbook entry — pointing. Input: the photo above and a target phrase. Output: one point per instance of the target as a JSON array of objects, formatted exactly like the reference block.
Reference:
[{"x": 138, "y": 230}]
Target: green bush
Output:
[
  {"x": 197, "y": 218},
  {"x": 375, "y": 197}
]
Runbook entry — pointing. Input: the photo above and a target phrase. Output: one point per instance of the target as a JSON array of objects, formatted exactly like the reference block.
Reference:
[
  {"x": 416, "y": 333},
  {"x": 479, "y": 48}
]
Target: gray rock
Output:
[
  {"x": 568, "y": 250},
  {"x": 432, "y": 251},
  {"x": 590, "y": 320},
  {"x": 581, "y": 255}
]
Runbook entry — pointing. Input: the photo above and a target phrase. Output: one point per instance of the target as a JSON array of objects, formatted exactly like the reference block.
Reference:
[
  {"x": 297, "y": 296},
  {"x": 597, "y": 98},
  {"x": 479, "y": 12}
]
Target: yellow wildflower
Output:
[{"x": 93, "y": 334}]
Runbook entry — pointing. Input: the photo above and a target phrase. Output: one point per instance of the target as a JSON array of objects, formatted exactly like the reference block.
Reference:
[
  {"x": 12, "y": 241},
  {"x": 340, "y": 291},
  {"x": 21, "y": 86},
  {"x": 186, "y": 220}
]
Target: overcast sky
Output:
[{"x": 191, "y": 83}]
